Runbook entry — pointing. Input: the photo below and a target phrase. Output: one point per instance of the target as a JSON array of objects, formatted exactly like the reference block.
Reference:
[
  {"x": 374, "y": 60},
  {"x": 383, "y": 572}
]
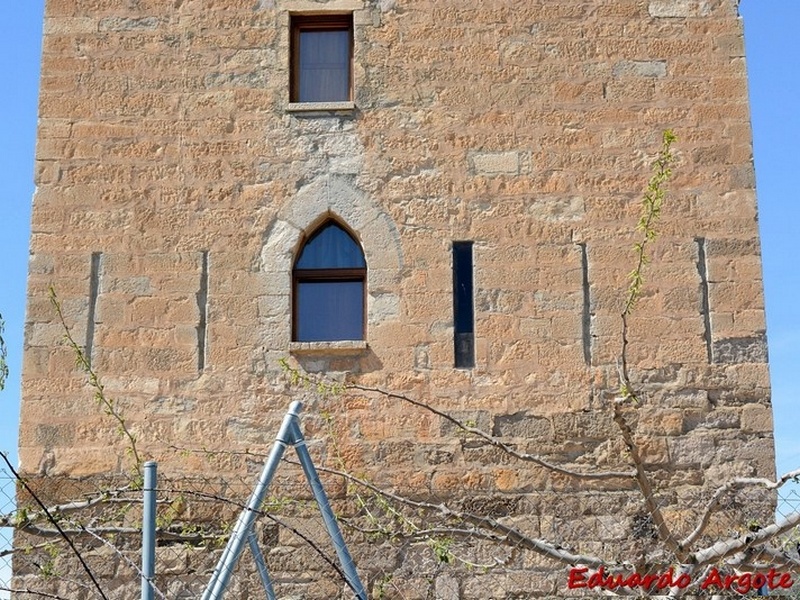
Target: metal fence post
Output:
[
  {"x": 328, "y": 517},
  {"x": 149, "y": 530},
  {"x": 261, "y": 565},
  {"x": 241, "y": 531}
]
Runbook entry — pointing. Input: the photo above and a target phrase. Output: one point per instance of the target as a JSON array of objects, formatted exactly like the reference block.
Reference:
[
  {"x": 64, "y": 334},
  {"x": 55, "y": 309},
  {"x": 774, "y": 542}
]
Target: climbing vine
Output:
[
  {"x": 108, "y": 404},
  {"x": 652, "y": 202}
]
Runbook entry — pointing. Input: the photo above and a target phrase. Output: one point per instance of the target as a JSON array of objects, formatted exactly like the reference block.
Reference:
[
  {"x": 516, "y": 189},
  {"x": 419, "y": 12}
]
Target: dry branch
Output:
[
  {"x": 505, "y": 534},
  {"x": 729, "y": 486},
  {"x": 725, "y": 548},
  {"x": 493, "y": 441}
]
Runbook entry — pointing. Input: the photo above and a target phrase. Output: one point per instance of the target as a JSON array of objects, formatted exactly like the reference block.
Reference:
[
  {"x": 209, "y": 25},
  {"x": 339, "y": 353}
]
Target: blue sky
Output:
[
  {"x": 773, "y": 60},
  {"x": 774, "y": 67}
]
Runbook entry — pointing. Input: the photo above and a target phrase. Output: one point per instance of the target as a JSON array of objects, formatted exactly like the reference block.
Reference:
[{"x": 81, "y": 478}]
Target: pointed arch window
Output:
[{"x": 329, "y": 284}]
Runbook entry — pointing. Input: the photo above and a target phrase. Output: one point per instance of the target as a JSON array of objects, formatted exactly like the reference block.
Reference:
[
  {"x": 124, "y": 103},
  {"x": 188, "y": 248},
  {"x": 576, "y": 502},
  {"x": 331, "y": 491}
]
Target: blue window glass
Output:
[
  {"x": 322, "y": 58},
  {"x": 331, "y": 247},
  {"x": 329, "y": 287},
  {"x": 324, "y": 74},
  {"x": 330, "y": 310},
  {"x": 463, "y": 306}
]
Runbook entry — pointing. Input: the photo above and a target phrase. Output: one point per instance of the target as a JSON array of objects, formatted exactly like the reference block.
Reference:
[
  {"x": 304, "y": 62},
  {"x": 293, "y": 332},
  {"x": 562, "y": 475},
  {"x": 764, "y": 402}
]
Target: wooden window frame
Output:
[
  {"x": 317, "y": 22},
  {"x": 351, "y": 274}
]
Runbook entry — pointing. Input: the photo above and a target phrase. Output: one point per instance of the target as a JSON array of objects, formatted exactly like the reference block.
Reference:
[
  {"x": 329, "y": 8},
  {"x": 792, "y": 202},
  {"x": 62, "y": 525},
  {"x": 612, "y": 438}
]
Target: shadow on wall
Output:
[{"x": 365, "y": 361}]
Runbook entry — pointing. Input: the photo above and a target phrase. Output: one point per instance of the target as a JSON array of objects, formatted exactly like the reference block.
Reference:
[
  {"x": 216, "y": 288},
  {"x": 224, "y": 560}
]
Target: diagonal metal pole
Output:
[
  {"x": 348, "y": 566},
  {"x": 222, "y": 573},
  {"x": 261, "y": 564}
]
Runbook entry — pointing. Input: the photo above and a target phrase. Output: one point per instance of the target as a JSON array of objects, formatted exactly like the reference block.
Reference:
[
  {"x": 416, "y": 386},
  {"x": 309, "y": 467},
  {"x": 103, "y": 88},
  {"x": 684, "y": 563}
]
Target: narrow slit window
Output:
[
  {"x": 95, "y": 275},
  {"x": 463, "y": 306},
  {"x": 202, "y": 307}
]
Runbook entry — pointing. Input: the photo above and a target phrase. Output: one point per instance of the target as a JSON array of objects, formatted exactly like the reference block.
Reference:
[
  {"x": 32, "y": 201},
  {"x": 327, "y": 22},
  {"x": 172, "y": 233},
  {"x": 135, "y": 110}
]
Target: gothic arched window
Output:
[{"x": 328, "y": 284}]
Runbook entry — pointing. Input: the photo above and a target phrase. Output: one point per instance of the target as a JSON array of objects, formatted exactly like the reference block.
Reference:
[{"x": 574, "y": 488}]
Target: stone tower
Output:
[{"x": 436, "y": 198}]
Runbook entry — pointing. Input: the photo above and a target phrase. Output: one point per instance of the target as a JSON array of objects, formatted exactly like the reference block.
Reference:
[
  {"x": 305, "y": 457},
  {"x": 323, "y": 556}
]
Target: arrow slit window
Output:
[{"x": 463, "y": 306}]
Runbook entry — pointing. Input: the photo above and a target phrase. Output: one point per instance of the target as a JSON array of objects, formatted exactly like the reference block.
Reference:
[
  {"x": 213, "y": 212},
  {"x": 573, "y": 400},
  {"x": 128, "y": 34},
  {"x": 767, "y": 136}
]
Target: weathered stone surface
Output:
[
  {"x": 488, "y": 163},
  {"x": 741, "y": 350},
  {"x": 447, "y": 588},
  {"x": 692, "y": 451},
  {"x": 168, "y": 146},
  {"x": 678, "y": 8},
  {"x": 521, "y": 425},
  {"x": 640, "y": 68}
]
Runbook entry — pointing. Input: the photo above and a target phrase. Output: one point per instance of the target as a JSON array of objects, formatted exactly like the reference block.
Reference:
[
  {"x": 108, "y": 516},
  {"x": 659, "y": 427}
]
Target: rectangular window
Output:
[
  {"x": 321, "y": 58},
  {"x": 463, "y": 306},
  {"x": 329, "y": 310}
]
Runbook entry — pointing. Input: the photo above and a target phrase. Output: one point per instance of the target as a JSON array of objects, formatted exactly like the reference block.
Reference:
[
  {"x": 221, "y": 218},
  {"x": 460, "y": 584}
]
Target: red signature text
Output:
[{"x": 714, "y": 580}]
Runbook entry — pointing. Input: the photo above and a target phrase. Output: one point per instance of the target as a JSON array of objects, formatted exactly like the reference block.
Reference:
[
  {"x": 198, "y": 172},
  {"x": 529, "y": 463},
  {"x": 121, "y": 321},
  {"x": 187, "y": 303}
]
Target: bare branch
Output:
[
  {"x": 73, "y": 531},
  {"x": 161, "y": 534},
  {"x": 505, "y": 534},
  {"x": 490, "y": 439},
  {"x": 13, "y": 519},
  {"x": 27, "y": 592},
  {"x": 772, "y": 558},
  {"x": 729, "y": 547},
  {"x": 689, "y": 569},
  {"x": 664, "y": 532},
  {"x": 13, "y": 549},
  {"x": 734, "y": 484},
  {"x": 651, "y": 212}
]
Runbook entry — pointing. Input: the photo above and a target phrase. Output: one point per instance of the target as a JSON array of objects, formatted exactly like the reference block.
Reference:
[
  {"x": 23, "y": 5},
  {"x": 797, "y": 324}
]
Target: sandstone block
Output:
[
  {"x": 756, "y": 418},
  {"x": 691, "y": 451},
  {"x": 495, "y": 163},
  {"x": 640, "y": 68},
  {"x": 673, "y": 8}
]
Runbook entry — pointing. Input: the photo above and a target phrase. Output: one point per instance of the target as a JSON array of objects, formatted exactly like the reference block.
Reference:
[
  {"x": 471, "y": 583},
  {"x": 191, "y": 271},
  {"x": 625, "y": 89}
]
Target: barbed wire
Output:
[{"x": 404, "y": 548}]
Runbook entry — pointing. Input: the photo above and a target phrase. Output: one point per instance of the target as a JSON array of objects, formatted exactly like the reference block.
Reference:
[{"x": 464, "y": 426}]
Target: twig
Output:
[
  {"x": 737, "y": 483},
  {"x": 651, "y": 212},
  {"x": 125, "y": 559},
  {"x": 85, "y": 364},
  {"x": 3, "y": 356},
  {"x": 28, "y": 592},
  {"x": 161, "y": 534},
  {"x": 490, "y": 439},
  {"x": 13, "y": 519},
  {"x": 645, "y": 487},
  {"x": 23, "y": 549}
]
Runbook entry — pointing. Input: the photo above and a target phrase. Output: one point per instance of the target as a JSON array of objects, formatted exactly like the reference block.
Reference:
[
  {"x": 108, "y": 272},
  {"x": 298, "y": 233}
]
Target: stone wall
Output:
[{"x": 175, "y": 184}]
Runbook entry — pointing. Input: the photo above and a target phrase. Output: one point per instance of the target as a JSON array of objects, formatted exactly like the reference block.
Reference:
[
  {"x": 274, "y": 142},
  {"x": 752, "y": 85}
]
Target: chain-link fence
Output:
[
  {"x": 7, "y": 507},
  {"x": 476, "y": 545}
]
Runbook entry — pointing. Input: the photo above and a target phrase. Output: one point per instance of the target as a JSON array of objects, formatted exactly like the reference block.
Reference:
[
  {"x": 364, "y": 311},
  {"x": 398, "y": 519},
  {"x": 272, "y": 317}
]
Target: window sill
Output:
[
  {"x": 321, "y": 107},
  {"x": 337, "y": 348}
]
